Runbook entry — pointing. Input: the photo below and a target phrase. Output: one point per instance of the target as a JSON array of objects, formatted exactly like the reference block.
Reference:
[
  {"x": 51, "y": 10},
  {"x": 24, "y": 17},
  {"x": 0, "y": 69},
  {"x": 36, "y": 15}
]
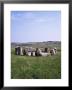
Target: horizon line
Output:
[{"x": 37, "y": 41}]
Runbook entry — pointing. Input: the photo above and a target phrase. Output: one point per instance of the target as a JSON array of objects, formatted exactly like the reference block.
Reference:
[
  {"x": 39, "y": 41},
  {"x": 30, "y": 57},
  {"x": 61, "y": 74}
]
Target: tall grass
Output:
[{"x": 29, "y": 67}]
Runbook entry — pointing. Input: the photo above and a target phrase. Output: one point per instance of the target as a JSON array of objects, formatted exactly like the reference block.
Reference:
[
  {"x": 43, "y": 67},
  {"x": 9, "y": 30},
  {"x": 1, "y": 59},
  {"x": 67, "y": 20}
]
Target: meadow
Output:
[{"x": 32, "y": 67}]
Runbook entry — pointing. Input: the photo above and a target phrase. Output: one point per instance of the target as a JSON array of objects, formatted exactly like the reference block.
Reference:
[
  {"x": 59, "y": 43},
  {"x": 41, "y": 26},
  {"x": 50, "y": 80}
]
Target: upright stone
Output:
[
  {"x": 46, "y": 49},
  {"x": 21, "y": 51}
]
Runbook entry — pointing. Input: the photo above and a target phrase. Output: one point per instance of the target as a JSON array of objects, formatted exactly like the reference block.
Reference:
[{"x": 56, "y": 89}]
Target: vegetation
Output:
[{"x": 29, "y": 67}]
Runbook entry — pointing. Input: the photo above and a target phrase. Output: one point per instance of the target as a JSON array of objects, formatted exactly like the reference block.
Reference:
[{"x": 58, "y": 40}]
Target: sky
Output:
[{"x": 35, "y": 26}]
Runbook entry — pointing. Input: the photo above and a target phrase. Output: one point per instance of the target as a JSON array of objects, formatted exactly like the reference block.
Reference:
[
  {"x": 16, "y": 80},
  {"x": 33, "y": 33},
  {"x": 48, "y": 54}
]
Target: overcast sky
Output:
[{"x": 35, "y": 26}]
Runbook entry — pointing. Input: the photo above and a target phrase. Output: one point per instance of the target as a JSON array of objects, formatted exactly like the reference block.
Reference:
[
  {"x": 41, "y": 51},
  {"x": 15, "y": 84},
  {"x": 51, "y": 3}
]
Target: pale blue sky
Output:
[{"x": 35, "y": 26}]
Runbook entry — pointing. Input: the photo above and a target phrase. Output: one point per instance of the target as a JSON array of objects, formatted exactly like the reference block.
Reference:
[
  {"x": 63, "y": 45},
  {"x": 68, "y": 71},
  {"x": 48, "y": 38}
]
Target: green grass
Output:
[{"x": 28, "y": 67}]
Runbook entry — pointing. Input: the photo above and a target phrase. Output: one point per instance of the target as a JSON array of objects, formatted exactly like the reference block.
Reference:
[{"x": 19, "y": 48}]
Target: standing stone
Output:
[
  {"x": 17, "y": 50},
  {"x": 21, "y": 51},
  {"x": 46, "y": 49}
]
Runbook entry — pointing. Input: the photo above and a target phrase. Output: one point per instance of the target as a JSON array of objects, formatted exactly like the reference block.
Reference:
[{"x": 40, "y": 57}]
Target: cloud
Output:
[
  {"x": 24, "y": 15},
  {"x": 29, "y": 15}
]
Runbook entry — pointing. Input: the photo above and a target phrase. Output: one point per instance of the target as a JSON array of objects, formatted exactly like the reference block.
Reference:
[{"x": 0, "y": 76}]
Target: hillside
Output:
[{"x": 37, "y": 44}]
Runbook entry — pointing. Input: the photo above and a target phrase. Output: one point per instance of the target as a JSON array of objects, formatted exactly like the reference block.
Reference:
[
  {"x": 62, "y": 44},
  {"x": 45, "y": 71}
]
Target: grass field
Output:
[{"x": 28, "y": 67}]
